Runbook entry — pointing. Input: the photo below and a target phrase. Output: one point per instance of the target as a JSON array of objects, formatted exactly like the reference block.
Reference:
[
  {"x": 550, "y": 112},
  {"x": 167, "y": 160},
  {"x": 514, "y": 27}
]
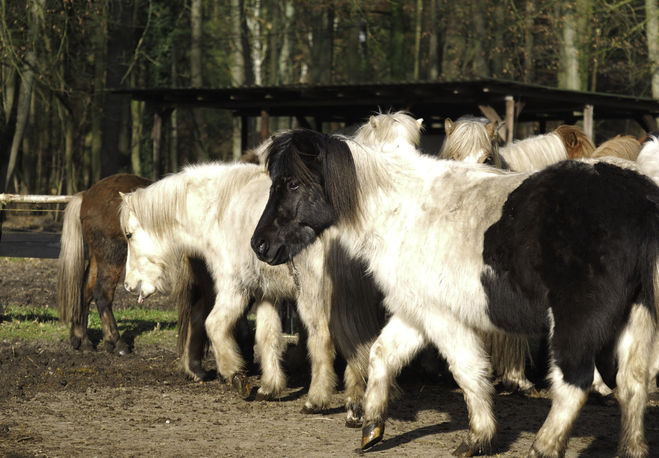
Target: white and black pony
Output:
[{"x": 570, "y": 251}]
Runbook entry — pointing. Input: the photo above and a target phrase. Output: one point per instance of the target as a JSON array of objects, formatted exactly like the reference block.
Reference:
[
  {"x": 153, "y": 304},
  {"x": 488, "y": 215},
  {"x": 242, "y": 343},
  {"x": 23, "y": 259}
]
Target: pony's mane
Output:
[
  {"x": 388, "y": 127},
  {"x": 626, "y": 147},
  {"x": 162, "y": 204},
  {"x": 314, "y": 157},
  {"x": 534, "y": 153},
  {"x": 576, "y": 142},
  {"x": 158, "y": 204}
]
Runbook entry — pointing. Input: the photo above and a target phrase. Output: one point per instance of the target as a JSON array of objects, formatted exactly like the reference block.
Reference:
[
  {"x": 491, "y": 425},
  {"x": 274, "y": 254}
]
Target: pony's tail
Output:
[
  {"x": 186, "y": 292},
  {"x": 71, "y": 265}
]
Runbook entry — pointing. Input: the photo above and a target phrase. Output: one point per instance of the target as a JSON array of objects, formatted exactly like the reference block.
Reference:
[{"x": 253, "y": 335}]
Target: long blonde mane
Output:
[
  {"x": 534, "y": 153},
  {"x": 626, "y": 147}
]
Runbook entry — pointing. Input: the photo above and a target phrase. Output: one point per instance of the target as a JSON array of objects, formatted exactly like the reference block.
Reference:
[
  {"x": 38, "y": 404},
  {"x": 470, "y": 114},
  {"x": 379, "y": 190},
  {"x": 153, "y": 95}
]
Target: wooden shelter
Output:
[{"x": 315, "y": 105}]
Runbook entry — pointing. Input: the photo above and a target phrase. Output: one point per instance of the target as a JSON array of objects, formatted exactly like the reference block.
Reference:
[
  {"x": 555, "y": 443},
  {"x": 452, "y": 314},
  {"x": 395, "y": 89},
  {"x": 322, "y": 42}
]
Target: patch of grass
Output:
[{"x": 136, "y": 325}]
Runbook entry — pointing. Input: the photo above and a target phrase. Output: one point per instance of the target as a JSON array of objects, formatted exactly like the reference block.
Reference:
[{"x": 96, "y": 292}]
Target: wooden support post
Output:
[
  {"x": 588, "y": 121},
  {"x": 265, "y": 121},
  {"x": 156, "y": 135},
  {"x": 244, "y": 133},
  {"x": 510, "y": 118}
]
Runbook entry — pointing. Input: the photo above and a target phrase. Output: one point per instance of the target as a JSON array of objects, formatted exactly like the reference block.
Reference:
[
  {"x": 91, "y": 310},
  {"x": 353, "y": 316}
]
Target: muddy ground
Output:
[{"x": 57, "y": 402}]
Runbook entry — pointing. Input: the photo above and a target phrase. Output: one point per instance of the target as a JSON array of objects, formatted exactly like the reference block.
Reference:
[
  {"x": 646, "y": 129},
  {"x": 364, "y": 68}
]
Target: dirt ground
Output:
[{"x": 57, "y": 402}]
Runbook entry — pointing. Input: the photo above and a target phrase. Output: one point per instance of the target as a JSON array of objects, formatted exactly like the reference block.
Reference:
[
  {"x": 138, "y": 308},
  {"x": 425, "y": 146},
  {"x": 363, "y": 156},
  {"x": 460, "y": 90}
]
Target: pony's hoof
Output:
[
  {"x": 467, "y": 449},
  {"x": 264, "y": 396},
  {"x": 311, "y": 409},
  {"x": 241, "y": 384},
  {"x": 122, "y": 349},
  {"x": 372, "y": 434},
  {"x": 608, "y": 401},
  {"x": 354, "y": 423},
  {"x": 529, "y": 393}
]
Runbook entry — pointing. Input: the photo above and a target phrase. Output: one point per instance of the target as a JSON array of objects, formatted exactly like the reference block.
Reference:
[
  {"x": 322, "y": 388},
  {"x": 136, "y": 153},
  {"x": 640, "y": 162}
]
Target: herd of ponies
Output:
[{"x": 388, "y": 252}]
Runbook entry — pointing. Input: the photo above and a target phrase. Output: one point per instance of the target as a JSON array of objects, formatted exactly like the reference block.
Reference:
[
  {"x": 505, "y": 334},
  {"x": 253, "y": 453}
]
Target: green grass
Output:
[{"x": 136, "y": 325}]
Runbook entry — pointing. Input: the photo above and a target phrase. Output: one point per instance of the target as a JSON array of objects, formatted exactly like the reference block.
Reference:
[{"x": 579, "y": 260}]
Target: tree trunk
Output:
[
  {"x": 434, "y": 59},
  {"x": 417, "y": 37},
  {"x": 97, "y": 103},
  {"x": 322, "y": 26},
  {"x": 569, "y": 74},
  {"x": 454, "y": 44},
  {"x": 397, "y": 41},
  {"x": 237, "y": 65},
  {"x": 477, "y": 51},
  {"x": 529, "y": 62},
  {"x": 652, "y": 33},
  {"x": 196, "y": 77},
  {"x": 354, "y": 45},
  {"x": 119, "y": 47}
]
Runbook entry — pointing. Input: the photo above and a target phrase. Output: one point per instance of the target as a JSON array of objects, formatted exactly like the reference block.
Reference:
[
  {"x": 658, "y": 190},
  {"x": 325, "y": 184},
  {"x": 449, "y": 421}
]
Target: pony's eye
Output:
[
  {"x": 128, "y": 236},
  {"x": 293, "y": 185}
]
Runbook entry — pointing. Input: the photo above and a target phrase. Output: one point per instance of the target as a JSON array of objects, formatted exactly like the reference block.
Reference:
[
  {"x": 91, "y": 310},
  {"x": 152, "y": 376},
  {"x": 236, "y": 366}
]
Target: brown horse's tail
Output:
[{"x": 71, "y": 266}]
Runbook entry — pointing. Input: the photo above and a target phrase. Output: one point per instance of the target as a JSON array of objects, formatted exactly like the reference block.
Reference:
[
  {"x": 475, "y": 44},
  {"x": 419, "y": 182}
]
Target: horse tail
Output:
[{"x": 71, "y": 264}]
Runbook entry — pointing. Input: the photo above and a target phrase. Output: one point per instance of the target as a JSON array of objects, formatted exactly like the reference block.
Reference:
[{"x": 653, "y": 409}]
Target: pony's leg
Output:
[
  {"x": 79, "y": 320},
  {"x": 321, "y": 353},
  {"x": 463, "y": 349},
  {"x": 106, "y": 284},
  {"x": 601, "y": 389},
  {"x": 219, "y": 326},
  {"x": 634, "y": 350},
  {"x": 508, "y": 355},
  {"x": 270, "y": 341},
  {"x": 567, "y": 401},
  {"x": 654, "y": 367},
  {"x": 397, "y": 344},
  {"x": 355, "y": 383},
  {"x": 195, "y": 345}
]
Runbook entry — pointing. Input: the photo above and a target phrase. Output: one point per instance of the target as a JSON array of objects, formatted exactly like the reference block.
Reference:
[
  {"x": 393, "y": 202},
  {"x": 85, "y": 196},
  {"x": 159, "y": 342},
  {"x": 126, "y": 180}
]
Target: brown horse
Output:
[{"x": 92, "y": 219}]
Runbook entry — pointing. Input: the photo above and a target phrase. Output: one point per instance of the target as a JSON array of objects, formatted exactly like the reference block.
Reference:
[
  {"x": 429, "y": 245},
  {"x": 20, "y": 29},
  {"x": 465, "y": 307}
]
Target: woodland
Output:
[{"x": 63, "y": 126}]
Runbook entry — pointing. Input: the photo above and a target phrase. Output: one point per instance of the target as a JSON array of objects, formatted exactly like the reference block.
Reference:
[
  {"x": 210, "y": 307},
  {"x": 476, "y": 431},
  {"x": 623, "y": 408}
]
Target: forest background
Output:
[{"x": 62, "y": 127}]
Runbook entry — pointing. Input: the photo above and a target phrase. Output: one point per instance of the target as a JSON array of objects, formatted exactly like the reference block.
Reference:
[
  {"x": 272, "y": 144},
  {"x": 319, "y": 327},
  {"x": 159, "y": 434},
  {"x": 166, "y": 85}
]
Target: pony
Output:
[
  {"x": 625, "y": 147},
  {"x": 91, "y": 219},
  {"x": 209, "y": 211},
  {"x": 539, "y": 151},
  {"x": 457, "y": 248},
  {"x": 577, "y": 144},
  {"x": 474, "y": 140}
]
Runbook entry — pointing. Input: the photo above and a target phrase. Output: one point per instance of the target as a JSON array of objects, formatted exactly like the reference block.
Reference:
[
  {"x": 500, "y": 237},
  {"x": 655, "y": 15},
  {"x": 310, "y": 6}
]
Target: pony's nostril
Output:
[{"x": 262, "y": 245}]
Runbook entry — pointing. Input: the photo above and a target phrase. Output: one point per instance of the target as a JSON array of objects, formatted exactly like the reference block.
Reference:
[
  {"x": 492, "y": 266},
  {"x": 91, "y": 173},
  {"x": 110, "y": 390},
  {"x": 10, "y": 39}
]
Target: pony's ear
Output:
[
  {"x": 492, "y": 129},
  {"x": 123, "y": 196},
  {"x": 571, "y": 140},
  {"x": 374, "y": 122},
  {"x": 448, "y": 126},
  {"x": 420, "y": 122}
]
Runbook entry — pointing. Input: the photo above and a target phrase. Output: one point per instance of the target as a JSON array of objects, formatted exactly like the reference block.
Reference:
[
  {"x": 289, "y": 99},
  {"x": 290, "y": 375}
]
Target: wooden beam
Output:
[
  {"x": 510, "y": 118},
  {"x": 650, "y": 123},
  {"x": 491, "y": 114},
  {"x": 588, "y": 120}
]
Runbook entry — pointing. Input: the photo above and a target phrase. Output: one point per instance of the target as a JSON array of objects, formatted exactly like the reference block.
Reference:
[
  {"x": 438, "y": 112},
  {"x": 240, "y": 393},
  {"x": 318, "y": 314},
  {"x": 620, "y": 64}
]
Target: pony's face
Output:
[
  {"x": 144, "y": 265},
  {"x": 295, "y": 215},
  {"x": 304, "y": 196}
]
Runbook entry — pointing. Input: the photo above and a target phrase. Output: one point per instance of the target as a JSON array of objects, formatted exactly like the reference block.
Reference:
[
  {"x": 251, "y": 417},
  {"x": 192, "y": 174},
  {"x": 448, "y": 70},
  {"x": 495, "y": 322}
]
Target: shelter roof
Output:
[{"x": 351, "y": 103}]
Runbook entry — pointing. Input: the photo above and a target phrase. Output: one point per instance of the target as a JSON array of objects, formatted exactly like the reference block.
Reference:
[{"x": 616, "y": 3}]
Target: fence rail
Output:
[{"x": 25, "y": 244}]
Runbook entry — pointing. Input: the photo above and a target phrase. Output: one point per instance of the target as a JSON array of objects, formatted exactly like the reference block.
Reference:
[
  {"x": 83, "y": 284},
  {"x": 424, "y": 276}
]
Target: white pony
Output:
[
  {"x": 458, "y": 247},
  {"x": 211, "y": 211}
]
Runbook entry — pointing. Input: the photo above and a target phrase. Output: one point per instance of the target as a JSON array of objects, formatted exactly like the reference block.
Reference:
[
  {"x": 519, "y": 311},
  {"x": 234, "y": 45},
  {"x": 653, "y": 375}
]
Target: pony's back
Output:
[{"x": 534, "y": 153}]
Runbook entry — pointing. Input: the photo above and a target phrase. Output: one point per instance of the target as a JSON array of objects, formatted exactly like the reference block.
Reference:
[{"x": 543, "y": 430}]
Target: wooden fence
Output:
[{"x": 29, "y": 244}]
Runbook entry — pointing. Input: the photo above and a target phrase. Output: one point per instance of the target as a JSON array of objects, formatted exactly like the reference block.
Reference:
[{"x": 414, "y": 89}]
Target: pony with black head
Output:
[
  {"x": 209, "y": 211},
  {"x": 570, "y": 251},
  {"x": 473, "y": 140},
  {"x": 91, "y": 219}
]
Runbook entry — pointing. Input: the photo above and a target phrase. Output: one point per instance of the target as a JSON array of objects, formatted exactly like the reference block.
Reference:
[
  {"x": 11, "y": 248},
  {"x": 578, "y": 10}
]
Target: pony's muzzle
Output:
[
  {"x": 260, "y": 246},
  {"x": 132, "y": 290}
]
